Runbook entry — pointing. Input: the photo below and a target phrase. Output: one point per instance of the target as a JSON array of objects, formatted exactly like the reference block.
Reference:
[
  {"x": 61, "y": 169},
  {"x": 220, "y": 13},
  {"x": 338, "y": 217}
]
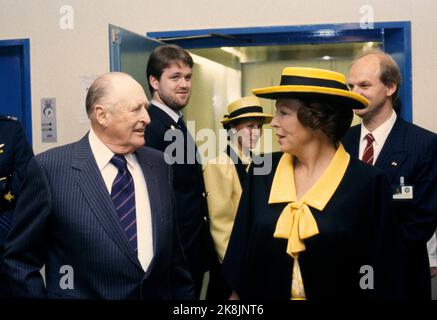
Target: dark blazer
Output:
[
  {"x": 66, "y": 218},
  {"x": 410, "y": 152},
  {"x": 190, "y": 196},
  {"x": 15, "y": 154},
  {"x": 356, "y": 229}
]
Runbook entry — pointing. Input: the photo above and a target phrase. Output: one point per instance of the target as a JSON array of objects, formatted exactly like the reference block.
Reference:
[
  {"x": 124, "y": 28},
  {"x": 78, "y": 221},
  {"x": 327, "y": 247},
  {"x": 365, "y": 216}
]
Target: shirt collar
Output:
[
  {"x": 381, "y": 133},
  {"x": 102, "y": 153},
  {"x": 172, "y": 114},
  {"x": 284, "y": 188}
]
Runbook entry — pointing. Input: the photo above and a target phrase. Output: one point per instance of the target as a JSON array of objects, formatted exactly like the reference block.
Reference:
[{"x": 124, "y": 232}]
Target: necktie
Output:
[
  {"x": 123, "y": 197},
  {"x": 182, "y": 126},
  {"x": 191, "y": 149},
  {"x": 368, "y": 151}
]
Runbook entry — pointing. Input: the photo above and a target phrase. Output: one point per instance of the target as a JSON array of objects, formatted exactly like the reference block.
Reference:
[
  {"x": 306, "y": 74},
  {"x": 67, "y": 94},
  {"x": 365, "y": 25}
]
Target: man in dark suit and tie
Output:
[
  {"x": 169, "y": 72},
  {"x": 408, "y": 155},
  {"x": 99, "y": 213}
]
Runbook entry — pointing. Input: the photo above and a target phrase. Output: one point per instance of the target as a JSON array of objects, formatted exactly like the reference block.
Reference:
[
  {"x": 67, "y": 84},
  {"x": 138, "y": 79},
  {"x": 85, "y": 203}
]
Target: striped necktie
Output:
[
  {"x": 368, "y": 151},
  {"x": 123, "y": 197}
]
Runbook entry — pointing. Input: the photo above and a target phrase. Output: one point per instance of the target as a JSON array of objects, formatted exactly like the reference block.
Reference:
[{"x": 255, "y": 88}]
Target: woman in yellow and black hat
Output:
[
  {"x": 224, "y": 177},
  {"x": 319, "y": 225}
]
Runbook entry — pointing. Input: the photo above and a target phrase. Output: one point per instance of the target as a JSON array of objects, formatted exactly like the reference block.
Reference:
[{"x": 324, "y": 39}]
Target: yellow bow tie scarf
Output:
[{"x": 296, "y": 222}]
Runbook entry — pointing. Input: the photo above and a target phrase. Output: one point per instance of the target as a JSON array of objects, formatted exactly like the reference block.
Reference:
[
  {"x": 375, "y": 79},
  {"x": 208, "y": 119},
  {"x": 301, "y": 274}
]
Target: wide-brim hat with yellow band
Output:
[
  {"x": 246, "y": 107},
  {"x": 313, "y": 83}
]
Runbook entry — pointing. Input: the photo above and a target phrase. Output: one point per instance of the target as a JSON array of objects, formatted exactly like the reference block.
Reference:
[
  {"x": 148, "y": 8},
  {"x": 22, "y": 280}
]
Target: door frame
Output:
[
  {"x": 395, "y": 37},
  {"x": 26, "y": 106}
]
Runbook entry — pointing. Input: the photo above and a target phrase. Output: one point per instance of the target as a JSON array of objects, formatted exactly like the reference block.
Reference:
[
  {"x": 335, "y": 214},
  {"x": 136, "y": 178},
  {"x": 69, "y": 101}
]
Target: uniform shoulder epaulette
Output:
[{"x": 10, "y": 118}]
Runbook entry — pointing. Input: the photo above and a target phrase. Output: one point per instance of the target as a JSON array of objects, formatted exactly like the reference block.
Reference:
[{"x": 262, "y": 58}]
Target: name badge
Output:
[{"x": 404, "y": 192}]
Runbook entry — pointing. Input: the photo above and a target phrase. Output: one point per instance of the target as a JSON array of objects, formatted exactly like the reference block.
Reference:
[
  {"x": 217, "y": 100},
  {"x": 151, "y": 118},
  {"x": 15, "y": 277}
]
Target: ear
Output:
[
  {"x": 391, "y": 89},
  {"x": 154, "y": 83},
  {"x": 100, "y": 113}
]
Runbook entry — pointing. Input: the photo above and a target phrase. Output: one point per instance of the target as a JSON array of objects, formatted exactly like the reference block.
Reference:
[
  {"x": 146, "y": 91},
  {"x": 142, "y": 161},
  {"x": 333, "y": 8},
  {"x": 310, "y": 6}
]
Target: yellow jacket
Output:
[{"x": 223, "y": 188}]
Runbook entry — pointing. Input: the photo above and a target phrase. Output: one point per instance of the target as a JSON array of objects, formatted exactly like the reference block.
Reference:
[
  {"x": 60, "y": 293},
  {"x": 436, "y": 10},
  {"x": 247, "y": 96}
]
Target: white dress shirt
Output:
[
  {"x": 432, "y": 251},
  {"x": 103, "y": 155},
  {"x": 380, "y": 134}
]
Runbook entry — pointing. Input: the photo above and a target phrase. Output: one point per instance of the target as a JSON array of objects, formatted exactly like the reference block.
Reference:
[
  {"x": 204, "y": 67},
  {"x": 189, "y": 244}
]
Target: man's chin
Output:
[{"x": 178, "y": 107}]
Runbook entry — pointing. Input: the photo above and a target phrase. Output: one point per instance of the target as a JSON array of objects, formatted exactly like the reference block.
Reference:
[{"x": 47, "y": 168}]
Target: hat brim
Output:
[
  {"x": 267, "y": 117},
  {"x": 345, "y": 98}
]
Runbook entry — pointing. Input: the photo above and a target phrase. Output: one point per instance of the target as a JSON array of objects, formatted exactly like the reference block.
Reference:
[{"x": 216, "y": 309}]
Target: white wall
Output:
[{"x": 59, "y": 58}]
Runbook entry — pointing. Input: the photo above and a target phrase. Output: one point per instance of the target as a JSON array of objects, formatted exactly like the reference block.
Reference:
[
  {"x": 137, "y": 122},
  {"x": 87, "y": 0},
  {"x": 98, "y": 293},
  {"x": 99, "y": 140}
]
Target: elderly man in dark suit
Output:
[
  {"x": 15, "y": 154},
  {"x": 169, "y": 72},
  {"x": 99, "y": 213},
  {"x": 408, "y": 155}
]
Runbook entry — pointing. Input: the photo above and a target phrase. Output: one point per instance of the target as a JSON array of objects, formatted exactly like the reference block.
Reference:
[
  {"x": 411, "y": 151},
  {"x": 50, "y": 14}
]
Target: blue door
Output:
[{"x": 15, "y": 82}]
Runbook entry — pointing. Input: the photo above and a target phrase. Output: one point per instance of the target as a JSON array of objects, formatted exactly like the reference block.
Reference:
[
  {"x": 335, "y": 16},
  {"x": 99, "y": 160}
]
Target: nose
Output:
[
  {"x": 185, "y": 82},
  {"x": 274, "y": 123},
  {"x": 145, "y": 118}
]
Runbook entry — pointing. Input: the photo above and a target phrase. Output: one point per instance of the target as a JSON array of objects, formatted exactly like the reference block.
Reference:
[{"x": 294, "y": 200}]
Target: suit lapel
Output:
[
  {"x": 393, "y": 153},
  {"x": 156, "y": 211},
  {"x": 91, "y": 183},
  {"x": 158, "y": 115}
]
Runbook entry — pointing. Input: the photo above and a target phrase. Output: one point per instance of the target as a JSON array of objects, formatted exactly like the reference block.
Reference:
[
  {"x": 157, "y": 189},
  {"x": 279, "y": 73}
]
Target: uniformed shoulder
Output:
[
  {"x": 9, "y": 125},
  {"x": 8, "y": 118}
]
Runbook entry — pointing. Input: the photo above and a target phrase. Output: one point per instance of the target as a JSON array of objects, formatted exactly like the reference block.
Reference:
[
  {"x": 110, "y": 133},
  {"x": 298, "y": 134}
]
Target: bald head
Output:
[
  {"x": 102, "y": 89},
  {"x": 389, "y": 72}
]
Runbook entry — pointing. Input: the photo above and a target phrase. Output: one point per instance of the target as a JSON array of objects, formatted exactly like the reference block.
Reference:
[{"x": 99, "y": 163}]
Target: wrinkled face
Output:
[
  {"x": 291, "y": 134},
  {"x": 364, "y": 79},
  {"x": 248, "y": 132},
  {"x": 126, "y": 118},
  {"x": 174, "y": 87}
]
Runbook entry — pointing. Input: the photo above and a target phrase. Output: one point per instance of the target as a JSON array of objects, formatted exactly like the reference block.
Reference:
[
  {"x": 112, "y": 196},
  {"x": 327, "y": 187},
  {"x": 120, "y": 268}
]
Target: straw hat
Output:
[
  {"x": 313, "y": 83},
  {"x": 246, "y": 107}
]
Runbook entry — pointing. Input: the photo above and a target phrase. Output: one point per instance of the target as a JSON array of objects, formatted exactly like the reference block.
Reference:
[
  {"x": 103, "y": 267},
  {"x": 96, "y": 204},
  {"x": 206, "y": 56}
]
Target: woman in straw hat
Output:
[
  {"x": 224, "y": 177},
  {"x": 319, "y": 225}
]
